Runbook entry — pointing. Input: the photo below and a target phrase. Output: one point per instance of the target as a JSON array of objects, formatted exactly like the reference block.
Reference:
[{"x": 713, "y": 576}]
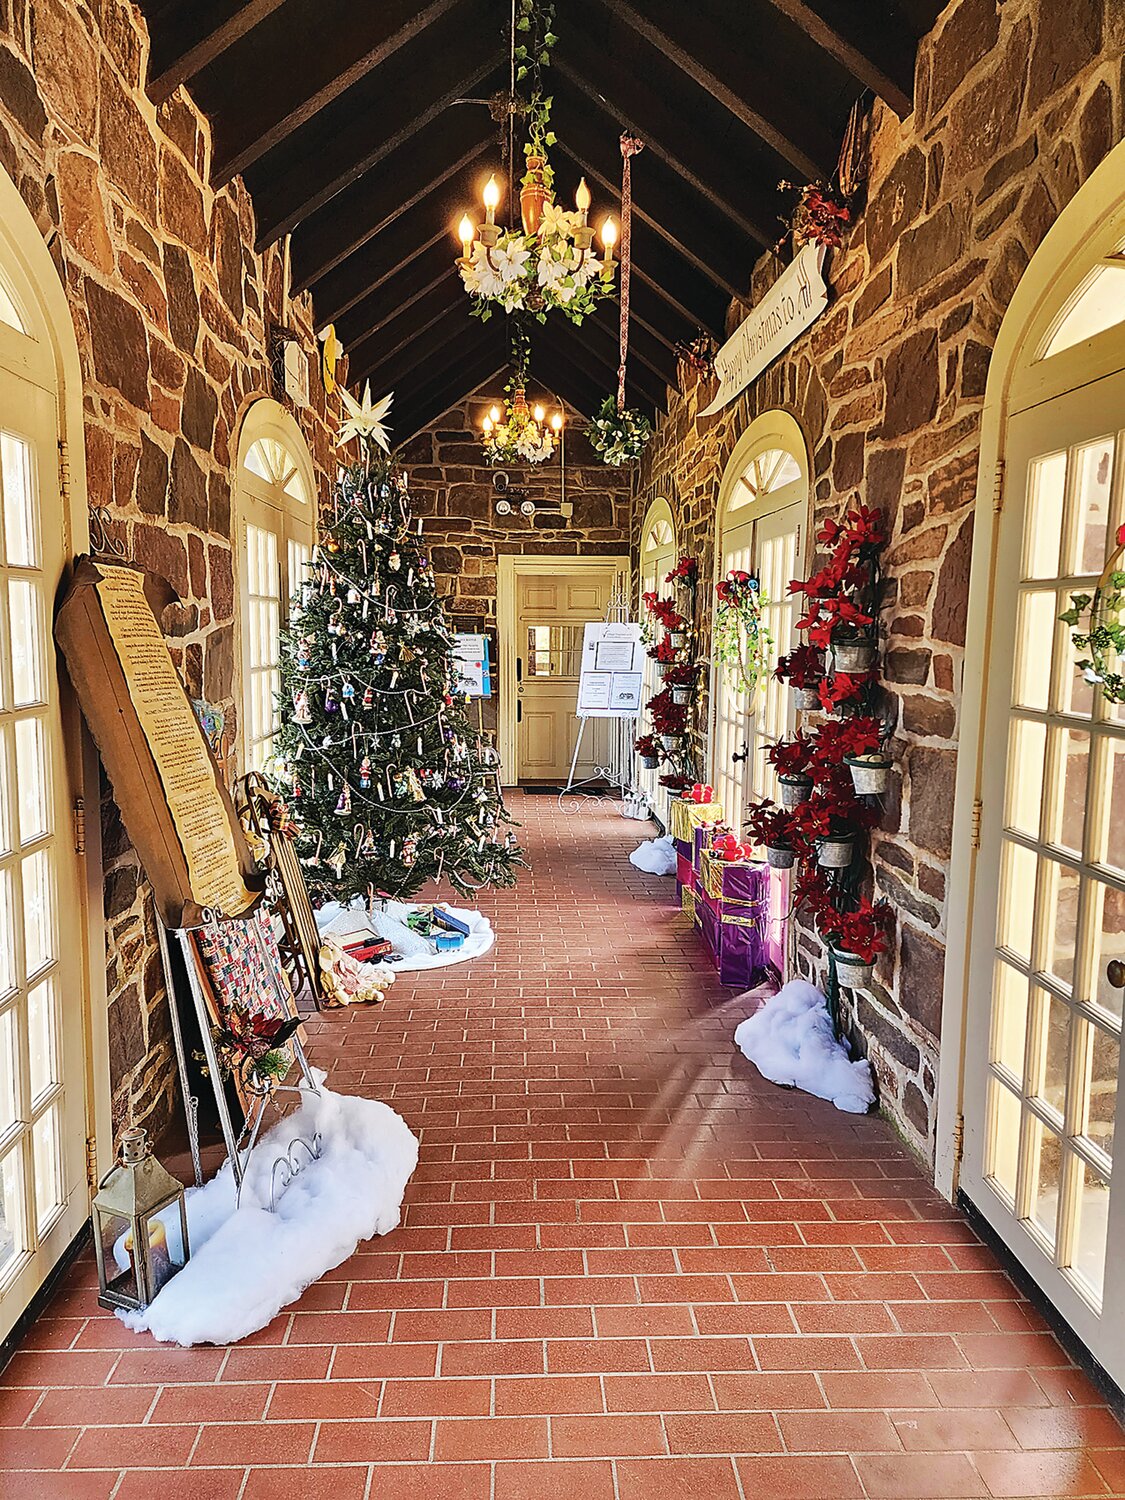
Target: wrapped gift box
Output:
[
  {"x": 685, "y": 875},
  {"x": 684, "y": 847},
  {"x": 740, "y": 881},
  {"x": 737, "y": 943},
  {"x": 685, "y": 816}
]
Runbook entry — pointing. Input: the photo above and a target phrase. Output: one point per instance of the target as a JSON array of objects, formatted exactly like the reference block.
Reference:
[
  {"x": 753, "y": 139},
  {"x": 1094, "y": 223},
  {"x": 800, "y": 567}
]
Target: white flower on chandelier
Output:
[{"x": 558, "y": 222}]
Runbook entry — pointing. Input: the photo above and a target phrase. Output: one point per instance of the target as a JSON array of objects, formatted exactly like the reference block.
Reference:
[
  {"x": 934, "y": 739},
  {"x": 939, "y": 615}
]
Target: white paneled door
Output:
[
  {"x": 1048, "y": 939},
  {"x": 43, "y": 1198}
]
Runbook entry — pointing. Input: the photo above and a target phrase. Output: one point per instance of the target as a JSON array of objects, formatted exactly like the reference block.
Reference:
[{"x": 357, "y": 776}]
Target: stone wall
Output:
[
  {"x": 1015, "y": 106},
  {"x": 173, "y": 311},
  {"x": 452, "y": 489}
]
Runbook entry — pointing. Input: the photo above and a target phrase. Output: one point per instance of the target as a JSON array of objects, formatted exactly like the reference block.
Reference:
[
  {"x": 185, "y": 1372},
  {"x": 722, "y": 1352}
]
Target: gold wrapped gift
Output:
[{"x": 685, "y": 816}]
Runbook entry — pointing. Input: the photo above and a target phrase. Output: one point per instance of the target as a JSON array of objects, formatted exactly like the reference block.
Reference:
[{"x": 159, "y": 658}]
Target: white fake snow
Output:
[
  {"x": 790, "y": 1041},
  {"x": 655, "y": 857},
  {"x": 247, "y": 1263},
  {"x": 389, "y": 921}
]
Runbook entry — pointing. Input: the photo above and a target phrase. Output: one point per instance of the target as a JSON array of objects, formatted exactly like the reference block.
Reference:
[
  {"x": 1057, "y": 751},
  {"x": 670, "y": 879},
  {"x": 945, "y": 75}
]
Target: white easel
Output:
[{"x": 618, "y": 771}]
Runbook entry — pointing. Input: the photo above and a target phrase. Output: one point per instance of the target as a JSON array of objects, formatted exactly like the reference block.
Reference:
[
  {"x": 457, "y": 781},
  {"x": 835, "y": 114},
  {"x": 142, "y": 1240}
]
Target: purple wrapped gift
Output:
[
  {"x": 737, "y": 945},
  {"x": 734, "y": 880},
  {"x": 683, "y": 847}
]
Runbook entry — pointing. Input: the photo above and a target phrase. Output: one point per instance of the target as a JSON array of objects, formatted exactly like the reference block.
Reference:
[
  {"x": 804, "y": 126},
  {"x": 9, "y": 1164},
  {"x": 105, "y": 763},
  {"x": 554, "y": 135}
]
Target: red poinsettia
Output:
[
  {"x": 863, "y": 931},
  {"x": 663, "y": 610},
  {"x": 675, "y": 781},
  {"x": 686, "y": 572},
  {"x": 833, "y": 619},
  {"x": 791, "y": 757},
  {"x": 832, "y": 812},
  {"x": 812, "y": 890},
  {"x": 663, "y": 651},
  {"x": 865, "y": 527},
  {"x": 843, "y": 688},
  {"x": 645, "y": 744},
  {"x": 733, "y": 588},
  {"x": 770, "y": 826},
  {"x": 803, "y": 667}
]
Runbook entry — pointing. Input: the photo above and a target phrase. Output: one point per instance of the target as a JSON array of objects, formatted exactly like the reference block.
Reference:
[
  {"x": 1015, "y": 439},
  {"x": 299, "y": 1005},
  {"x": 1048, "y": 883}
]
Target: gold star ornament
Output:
[{"x": 364, "y": 420}]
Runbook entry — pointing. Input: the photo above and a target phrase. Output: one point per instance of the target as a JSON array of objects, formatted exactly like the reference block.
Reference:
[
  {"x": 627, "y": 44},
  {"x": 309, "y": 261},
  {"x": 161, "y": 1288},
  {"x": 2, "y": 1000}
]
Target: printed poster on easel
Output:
[
  {"x": 610, "y": 680},
  {"x": 471, "y": 664}
]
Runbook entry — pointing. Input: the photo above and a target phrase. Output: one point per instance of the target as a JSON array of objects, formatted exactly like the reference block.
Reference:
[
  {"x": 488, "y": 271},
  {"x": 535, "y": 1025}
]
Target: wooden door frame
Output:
[
  {"x": 510, "y": 567},
  {"x": 25, "y": 250},
  {"x": 1092, "y": 220}
]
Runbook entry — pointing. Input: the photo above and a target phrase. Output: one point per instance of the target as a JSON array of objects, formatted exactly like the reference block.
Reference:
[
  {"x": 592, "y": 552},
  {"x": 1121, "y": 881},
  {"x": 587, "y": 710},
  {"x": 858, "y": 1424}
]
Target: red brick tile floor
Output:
[{"x": 628, "y": 1269}]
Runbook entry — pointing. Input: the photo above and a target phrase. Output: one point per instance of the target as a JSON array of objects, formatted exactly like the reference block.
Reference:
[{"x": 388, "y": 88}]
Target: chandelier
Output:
[
  {"x": 549, "y": 262},
  {"x": 519, "y": 433}
]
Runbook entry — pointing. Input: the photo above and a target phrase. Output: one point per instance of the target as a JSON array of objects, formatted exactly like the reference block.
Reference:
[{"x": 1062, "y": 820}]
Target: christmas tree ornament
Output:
[
  {"x": 410, "y": 850},
  {"x": 304, "y": 656},
  {"x": 365, "y": 773},
  {"x": 338, "y": 859},
  {"x": 394, "y": 562},
  {"x": 347, "y": 692},
  {"x": 301, "y": 713},
  {"x": 368, "y": 696},
  {"x": 331, "y": 702},
  {"x": 344, "y": 804}
]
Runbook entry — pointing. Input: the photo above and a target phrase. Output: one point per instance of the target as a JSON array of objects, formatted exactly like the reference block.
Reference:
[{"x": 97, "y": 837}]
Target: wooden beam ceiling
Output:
[{"x": 362, "y": 132}]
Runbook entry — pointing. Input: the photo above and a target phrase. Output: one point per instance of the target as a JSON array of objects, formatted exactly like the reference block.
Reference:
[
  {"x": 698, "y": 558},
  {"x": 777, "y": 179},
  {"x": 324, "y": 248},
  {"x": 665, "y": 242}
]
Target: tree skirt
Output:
[
  {"x": 247, "y": 1263},
  {"x": 349, "y": 923}
]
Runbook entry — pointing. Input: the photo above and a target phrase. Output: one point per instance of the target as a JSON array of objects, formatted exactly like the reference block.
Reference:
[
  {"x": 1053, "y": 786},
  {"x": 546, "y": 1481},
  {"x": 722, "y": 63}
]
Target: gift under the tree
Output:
[
  {"x": 685, "y": 816},
  {"x": 685, "y": 878},
  {"x": 740, "y": 882}
]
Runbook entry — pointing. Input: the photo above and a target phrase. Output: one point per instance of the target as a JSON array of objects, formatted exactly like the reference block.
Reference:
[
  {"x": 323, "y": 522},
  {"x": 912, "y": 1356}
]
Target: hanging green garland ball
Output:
[{"x": 618, "y": 437}]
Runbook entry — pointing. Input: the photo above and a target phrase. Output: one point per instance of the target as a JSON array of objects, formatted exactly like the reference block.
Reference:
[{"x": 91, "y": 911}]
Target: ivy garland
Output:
[
  {"x": 1103, "y": 639},
  {"x": 618, "y": 437},
  {"x": 742, "y": 640}
]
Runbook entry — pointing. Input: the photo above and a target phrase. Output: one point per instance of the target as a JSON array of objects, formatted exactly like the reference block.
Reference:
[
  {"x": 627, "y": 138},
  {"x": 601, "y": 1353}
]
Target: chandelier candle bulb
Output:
[
  {"x": 582, "y": 199},
  {"x": 466, "y": 232},
  {"x": 491, "y": 199},
  {"x": 609, "y": 239}
]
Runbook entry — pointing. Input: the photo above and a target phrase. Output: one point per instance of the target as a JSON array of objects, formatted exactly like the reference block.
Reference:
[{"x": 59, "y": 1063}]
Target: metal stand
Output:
[
  {"x": 618, "y": 771},
  {"x": 241, "y": 1145}
]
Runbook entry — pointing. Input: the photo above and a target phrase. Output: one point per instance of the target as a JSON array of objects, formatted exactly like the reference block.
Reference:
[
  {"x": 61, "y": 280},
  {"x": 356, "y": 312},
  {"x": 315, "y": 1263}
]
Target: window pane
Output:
[
  {"x": 1092, "y": 501},
  {"x": 1109, "y": 926},
  {"x": 12, "y": 1244},
  {"x": 1060, "y": 919},
  {"x": 9, "y": 312},
  {"x": 32, "y": 780},
  {"x": 1043, "y": 527},
  {"x": 1035, "y": 635},
  {"x": 7, "y": 935},
  {"x": 1004, "y": 1141},
  {"x": 42, "y": 1033},
  {"x": 1046, "y": 1164},
  {"x": 1099, "y": 305},
  {"x": 1113, "y": 850},
  {"x": 1025, "y": 775},
  {"x": 1092, "y": 1229},
  {"x": 7, "y": 831},
  {"x": 38, "y": 911},
  {"x": 1056, "y": 1051},
  {"x": 1009, "y": 1031},
  {"x": 1017, "y": 899},
  {"x": 26, "y": 639},
  {"x": 1072, "y": 747},
  {"x": 9, "y": 1078},
  {"x": 45, "y": 1155},
  {"x": 21, "y": 544},
  {"x": 1101, "y": 1106}
]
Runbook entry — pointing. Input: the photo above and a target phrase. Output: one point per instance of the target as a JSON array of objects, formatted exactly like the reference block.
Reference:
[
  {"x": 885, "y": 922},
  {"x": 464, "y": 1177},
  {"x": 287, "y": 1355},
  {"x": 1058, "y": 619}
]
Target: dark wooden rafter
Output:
[
  {"x": 557, "y": 358},
  {"x": 376, "y": 265},
  {"x": 758, "y": 103},
  {"x": 385, "y": 364},
  {"x": 372, "y": 204},
  {"x": 188, "y": 35},
  {"x": 310, "y": 167},
  {"x": 654, "y": 355},
  {"x": 598, "y": 365},
  {"x": 873, "y": 47},
  {"x": 426, "y": 403},
  {"x": 670, "y": 144},
  {"x": 332, "y": 59},
  {"x": 408, "y": 285}
]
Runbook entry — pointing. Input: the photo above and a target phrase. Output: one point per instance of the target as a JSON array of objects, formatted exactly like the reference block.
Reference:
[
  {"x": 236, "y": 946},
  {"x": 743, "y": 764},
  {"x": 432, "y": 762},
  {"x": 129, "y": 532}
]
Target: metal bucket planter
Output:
[
  {"x": 678, "y": 639},
  {"x": 779, "y": 858},
  {"x": 681, "y": 695},
  {"x": 671, "y": 742},
  {"x": 853, "y": 657},
  {"x": 808, "y": 699},
  {"x": 835, "y": 854},
  {"x": 871, "y": 774},
  {"x": 853, "y": 972},
  {"x": 793, "y": 790},
  {"x": 650, "y": 762}
]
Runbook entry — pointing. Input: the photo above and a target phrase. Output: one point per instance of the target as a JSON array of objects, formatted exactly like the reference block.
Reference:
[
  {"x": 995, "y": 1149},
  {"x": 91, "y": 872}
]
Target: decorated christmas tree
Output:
[{"x": 389, "y": 784}]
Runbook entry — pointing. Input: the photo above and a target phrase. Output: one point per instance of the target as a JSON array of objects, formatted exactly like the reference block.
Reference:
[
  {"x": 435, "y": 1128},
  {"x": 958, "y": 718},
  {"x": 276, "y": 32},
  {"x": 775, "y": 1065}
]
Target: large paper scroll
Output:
[{"x": 165, "y": 779}]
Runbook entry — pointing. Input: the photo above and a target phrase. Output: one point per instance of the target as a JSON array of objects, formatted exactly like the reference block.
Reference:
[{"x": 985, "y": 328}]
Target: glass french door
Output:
[
  {"x": 743, "y": 723},
  {"x": 658, "y": 558},
  {"x": 43, "y": 1191},
  {"x": 1048, "y": 937}
]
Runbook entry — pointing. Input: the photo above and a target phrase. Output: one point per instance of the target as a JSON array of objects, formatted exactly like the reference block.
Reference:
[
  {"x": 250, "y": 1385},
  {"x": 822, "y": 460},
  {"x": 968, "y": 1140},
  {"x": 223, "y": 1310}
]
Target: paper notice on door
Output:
[{"x": 187, "y": 775}]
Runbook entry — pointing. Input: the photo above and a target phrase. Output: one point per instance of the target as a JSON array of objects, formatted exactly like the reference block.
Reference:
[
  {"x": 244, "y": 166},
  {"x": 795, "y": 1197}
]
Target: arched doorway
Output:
[
  {"x": 658, "y": 558},
  {"x": 1040, "y": 852},
  {"x": 762, "y": 514},
  {"x": 276, "y": 511},
  {"x": 49, "y": 1033}
]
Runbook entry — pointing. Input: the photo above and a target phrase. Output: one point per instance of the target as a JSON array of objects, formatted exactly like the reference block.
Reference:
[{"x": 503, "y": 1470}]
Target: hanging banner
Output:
[
  {"x": 794, "y": 302},
  {"x": 165, "y": 779}
]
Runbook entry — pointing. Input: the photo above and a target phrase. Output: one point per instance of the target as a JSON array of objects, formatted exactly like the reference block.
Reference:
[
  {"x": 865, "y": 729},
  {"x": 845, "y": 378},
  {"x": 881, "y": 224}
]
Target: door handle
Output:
[
  {"x": 519, "y": 712},
  {"x": 1115, "y": 973},
  {"x": 519, "y": 668}
]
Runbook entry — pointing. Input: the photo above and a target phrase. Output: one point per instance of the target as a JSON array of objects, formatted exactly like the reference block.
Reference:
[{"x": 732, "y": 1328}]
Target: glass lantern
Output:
[{"x": 140, "y": 1227}]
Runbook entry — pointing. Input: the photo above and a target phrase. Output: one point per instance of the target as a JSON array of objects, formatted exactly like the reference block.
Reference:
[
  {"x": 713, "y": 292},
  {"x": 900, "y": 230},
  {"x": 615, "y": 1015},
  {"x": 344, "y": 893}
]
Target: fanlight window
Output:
[
  {"x": 660, "y": 535},
  {"x": 1098, "y": 304},
  {"x": 9, "y": 312},
  {"x": 269, "y": 459},
  {"x": 764, "y": 474}
]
